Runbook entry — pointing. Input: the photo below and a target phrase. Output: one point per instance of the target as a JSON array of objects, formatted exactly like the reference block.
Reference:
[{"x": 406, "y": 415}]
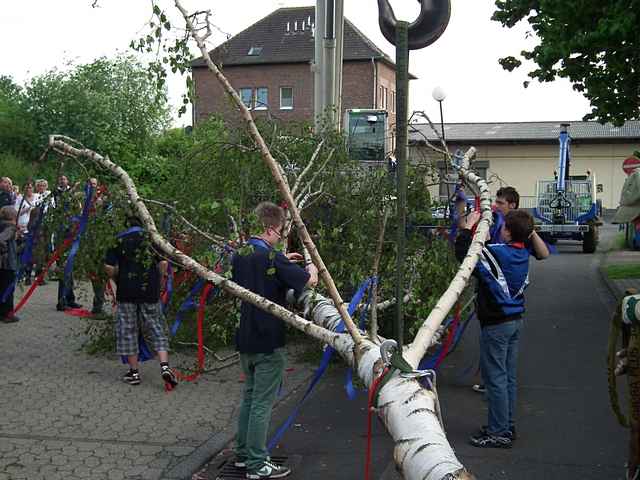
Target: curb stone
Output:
[{"x": 205, "y": 452}]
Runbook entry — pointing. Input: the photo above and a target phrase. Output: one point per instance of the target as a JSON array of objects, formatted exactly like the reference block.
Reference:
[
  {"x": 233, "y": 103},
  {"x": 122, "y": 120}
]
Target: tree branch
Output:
[
  {"x": 280, "y": 180},
  {"x": 422, "y": 340},
  {"x": 215, "y": 239},
  {"x": 373, "y": 325}
]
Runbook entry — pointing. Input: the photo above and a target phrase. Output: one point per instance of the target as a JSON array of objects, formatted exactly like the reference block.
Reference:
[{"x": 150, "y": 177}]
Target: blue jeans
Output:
[{"x": 498, "y": 359}]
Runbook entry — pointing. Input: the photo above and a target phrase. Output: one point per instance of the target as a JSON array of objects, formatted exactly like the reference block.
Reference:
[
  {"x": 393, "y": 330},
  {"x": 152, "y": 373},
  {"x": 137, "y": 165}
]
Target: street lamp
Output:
[{"x": 439, "y": 95}]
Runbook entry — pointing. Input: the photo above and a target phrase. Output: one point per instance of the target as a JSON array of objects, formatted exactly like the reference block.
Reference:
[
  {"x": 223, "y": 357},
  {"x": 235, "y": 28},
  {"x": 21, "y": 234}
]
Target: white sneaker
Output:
[
  {"x": 480, "y": 388},
  {"x": 269, "y": 470}
]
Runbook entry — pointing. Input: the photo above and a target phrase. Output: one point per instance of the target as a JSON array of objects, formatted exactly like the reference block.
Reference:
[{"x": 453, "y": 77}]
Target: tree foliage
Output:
[
  {"x": 109, "y": 103},
  {"x": 593, "y": 43},
  {"x": 17, "y": 128}
]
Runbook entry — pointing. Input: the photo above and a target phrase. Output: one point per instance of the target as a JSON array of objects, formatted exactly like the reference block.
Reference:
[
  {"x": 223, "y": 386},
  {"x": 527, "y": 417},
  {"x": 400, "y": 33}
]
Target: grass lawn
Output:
[{"x": 622, "y": 271}]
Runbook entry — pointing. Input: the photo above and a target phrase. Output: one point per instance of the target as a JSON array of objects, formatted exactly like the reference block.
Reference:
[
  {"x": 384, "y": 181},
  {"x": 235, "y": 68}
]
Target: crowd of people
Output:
[{"x": 139, "y": 275}]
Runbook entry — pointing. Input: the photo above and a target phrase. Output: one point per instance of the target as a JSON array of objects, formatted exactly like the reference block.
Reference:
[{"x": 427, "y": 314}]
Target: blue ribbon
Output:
[
  {"x": 165, "y": 305},
  {"x": 83, "y": 220},
  {"x": 496, "y": 228},
  {"x": 188, "y": 305},
  {"x": 459, "y": 196},
  {"x": 25, "y": 257},
  {"x": 429, "y": 363},
  {"x": 324, "y": 363},
  {"x": 260, "y": 243},
  {"x": 130, "y": 231}
]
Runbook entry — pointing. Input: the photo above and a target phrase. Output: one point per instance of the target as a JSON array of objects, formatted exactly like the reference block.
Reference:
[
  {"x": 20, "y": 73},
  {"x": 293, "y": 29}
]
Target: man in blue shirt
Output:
[
  {"x": 260, "y": 338},
  {"x": 503, "y": 274}
]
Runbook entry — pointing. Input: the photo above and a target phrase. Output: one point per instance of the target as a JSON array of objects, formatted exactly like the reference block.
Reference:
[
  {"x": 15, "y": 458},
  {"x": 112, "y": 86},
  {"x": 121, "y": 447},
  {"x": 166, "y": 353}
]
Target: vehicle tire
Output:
[{"x": 590, "y": 240}]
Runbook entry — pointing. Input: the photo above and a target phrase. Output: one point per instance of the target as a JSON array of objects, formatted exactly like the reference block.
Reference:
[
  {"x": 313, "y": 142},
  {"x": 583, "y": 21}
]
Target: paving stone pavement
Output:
[{"x": 67, "y": 415}]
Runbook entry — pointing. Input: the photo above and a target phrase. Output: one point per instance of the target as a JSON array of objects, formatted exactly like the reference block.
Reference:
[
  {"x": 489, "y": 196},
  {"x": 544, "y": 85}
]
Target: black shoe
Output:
[
  {"x": 169, "y": 377},
  {"x": 484, "y": 440},
  {"x": 11, "y": 319},
  {"x": 511, "y": 433},
  {"x": 74, "y": 305},
  {"x": 132, "y": 377},
  {"x": 60, "y": 307},
  {"x": 27, "y": 282}
]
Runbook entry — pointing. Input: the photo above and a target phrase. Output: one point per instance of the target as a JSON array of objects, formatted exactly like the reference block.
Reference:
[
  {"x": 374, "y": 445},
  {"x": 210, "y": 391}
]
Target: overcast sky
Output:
[{"x": 38, "y": 35}]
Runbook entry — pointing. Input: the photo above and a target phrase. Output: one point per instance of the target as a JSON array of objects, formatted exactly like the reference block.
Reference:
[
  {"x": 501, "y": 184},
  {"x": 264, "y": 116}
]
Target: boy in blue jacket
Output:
[{"x": 503, "y": 274}]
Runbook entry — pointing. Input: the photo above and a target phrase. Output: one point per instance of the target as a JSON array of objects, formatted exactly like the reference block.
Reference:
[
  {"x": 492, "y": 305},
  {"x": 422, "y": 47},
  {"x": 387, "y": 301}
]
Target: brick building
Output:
[{"x": 270, "y": 66}]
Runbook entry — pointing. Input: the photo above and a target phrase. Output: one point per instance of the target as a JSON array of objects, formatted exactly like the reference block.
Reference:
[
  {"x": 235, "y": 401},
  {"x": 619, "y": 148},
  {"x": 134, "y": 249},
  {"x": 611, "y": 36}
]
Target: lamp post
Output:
[{"x": 439, "y": 95}]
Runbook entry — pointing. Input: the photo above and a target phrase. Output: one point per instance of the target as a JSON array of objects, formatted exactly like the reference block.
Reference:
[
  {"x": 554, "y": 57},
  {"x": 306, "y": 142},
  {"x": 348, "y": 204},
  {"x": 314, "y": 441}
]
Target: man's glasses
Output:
[{"x": 279, "y": 232}]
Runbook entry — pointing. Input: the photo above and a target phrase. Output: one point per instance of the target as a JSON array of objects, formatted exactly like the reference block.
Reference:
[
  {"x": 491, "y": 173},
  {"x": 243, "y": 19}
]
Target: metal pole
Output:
[
  {"x": 402, "y": 107},
  {"x": 329, "y": 62},
  {"x": 318, "y": 32},
  {"x": 445, "y": 160},
  {"x": 339, "y": 60}
]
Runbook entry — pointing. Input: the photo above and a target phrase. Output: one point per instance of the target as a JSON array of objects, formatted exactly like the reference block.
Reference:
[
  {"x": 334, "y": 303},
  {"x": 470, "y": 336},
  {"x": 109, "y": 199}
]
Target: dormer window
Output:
[{"x": 254, "y": 51}]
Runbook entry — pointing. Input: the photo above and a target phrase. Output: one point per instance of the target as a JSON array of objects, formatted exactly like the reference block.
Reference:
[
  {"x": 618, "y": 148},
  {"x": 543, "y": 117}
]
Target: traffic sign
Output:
[{"x": 630, "y": 164}]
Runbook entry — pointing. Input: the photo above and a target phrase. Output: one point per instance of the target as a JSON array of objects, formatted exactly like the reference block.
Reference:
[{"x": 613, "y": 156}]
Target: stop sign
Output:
[{"x": 630, "y": 164}]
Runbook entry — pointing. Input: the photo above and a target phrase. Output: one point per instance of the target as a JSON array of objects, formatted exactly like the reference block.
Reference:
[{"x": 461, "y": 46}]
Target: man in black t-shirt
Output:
[
  {"x": 260, "y": 338},
  {"x": 138, "y": 273}
]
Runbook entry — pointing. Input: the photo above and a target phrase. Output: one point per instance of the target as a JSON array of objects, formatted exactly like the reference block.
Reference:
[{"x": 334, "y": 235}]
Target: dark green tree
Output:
[
  {"x": 110, "y": 104},
  {"x": 17, "y": 129},
  {"x": 593, "y": 43}
]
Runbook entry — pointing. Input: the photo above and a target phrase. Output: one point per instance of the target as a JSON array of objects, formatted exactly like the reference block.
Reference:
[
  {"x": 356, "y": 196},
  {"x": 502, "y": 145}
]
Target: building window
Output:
[
  {"x": 246, "y": 95},
  {"x": 383, "y": 98},
  {"x": 262, "y": 98},
  {"x": 286, "y": 98},
  {"x": 254, "y": 51},
  {"x": 393, "y": 102}
]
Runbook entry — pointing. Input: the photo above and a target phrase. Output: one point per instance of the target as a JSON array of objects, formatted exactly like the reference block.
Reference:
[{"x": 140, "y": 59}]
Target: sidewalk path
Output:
[{"x": 67, "y": 415}]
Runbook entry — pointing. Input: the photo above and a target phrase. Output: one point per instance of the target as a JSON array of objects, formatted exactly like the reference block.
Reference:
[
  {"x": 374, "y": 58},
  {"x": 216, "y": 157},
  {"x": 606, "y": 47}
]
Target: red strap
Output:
[
  {"x": 477, "y": 207},
  {"x": 56, "y": 255},
  {"x": 370, "y": 411},
  {"x": 112, "y": 294},
  {"x": 201, "y": 307}
]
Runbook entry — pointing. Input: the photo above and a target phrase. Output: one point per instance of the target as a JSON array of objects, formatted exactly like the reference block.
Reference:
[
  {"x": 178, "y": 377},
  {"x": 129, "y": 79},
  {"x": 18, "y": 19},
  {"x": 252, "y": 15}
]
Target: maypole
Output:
[{"x": 425, "y": 30}]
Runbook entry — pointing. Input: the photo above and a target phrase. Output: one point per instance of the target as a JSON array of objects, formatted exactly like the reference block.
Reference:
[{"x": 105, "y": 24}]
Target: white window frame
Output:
[
  {"x": 251, "y": 103},
  {"x": 259, "y": 105},
  {"x": 286, "y": 107}
]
